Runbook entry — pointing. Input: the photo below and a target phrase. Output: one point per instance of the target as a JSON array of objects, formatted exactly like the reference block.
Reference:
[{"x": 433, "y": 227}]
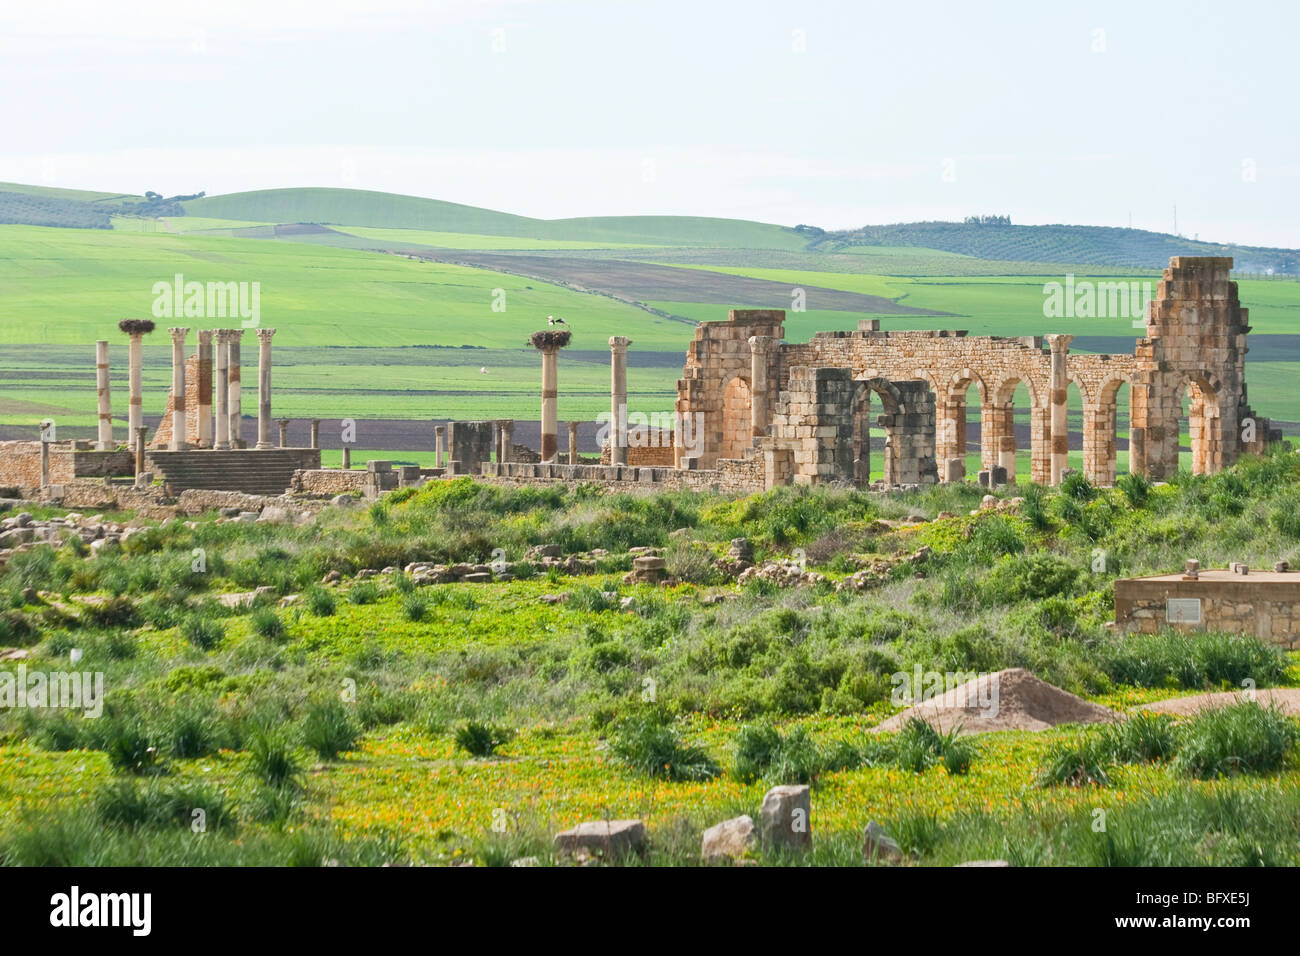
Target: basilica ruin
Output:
[{"x": 752, "y": 412}]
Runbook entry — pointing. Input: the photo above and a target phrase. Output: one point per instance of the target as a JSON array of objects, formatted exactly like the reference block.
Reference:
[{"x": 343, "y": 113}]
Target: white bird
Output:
[
  {"x": 483, "y": 370},
  {"x": 552, "y": 320}
]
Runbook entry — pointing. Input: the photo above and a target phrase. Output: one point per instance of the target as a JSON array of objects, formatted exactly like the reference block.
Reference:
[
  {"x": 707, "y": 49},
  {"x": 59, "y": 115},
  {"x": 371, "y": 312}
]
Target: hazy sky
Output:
[{"x": 835, "y": 114}]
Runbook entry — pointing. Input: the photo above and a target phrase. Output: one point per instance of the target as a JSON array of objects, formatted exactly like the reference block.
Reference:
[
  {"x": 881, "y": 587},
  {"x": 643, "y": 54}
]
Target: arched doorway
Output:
[
  {"x": 737, "y": 427},
  {"x": 1199, "y": 427},
  {"x": 876, "y": 446}
]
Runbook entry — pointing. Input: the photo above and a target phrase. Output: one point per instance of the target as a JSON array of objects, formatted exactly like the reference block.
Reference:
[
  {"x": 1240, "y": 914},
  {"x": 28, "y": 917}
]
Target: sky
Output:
[{"x": 836, "y": 114}]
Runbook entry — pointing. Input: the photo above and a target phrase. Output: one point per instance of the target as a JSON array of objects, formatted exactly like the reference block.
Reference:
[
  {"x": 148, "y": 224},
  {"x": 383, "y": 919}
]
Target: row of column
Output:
[
  {"x": 229, "y": 413},
  {"x": 617, "y": 404}
]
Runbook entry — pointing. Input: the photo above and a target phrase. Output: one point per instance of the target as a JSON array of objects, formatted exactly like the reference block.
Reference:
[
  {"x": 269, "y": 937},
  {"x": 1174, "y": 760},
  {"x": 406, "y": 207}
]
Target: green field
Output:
[{"x": 355, "y": 328}]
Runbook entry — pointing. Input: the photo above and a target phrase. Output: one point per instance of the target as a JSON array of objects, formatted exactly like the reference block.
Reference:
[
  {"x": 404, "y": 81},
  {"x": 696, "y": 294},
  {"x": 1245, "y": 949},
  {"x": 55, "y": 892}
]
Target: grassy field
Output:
[{"x": 337, "y": 727}]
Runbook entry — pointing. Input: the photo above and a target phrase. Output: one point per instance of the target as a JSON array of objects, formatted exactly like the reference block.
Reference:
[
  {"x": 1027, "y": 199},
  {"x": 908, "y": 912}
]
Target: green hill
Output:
[
  {"x": 1086, "y": 245},
  {"x": 358, "y": 207}
]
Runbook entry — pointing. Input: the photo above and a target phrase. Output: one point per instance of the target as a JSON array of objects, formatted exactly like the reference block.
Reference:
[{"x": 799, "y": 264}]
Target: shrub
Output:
[
  {"x": 130, "y": 805},
  {"x": 415, "y": 606},
  {"x": 268, "y": 624},
  {"x": 203, "y": 632},
  {"x": 1142, "y": 738},
  {"x": 129, "y": 747},
  {"x": 1241, "y": 738},
  {"x": 328, "y": 728},
  {"x": 762, "y": 752},
  {"x": 320, "y": 601},
  {"x": 1136, "y": 488},
  {"x": 1193, "y": 661},
  {"x": 363, "y": 592},
  {"x": 1076, "y": 763},
  {"x": 1075, "y": 485},
  {"x": 271, "y": 757},
  {"x": 190, "y": 729},
  {"x": 1029, "y": 577},
  {"x": 481, "y": 740},
  {"x": 648, "y": 743}
]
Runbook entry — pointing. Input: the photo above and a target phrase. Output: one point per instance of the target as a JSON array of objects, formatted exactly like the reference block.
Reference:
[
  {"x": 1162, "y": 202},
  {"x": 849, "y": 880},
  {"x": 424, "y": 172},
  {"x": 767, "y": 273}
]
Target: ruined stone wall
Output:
[
  {"x": 730, "y": 477},
  {"x": 327, "y": 481},
  {"x": 647, "y": 447},
  {"x": 469, "y": 445},
  {"x": 194, "y": 390},
  {"x": 1196, "y": 343},
  {"x": 20, "y": 463}
]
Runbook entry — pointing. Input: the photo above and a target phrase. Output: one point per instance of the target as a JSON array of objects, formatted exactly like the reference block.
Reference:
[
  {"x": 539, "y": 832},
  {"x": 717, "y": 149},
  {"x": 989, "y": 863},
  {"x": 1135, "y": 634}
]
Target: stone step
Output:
[{"x": 266, "y": 472}]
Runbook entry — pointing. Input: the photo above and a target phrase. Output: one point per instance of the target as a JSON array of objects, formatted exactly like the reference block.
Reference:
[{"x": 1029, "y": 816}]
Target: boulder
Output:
[
  {"x": 786, "y": 817},
  {"x": 729, "y": 840},
  {"x": 609, "y": 837},
  {"x": 878, "y": 846}
]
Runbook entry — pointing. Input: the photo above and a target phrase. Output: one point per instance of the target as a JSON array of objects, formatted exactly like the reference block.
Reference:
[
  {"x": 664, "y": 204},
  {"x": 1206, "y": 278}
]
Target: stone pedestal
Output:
[{"x": 283, "y": 425}]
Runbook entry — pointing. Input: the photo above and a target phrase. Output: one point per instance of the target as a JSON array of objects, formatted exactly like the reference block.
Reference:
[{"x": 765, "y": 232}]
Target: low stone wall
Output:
[
  {"x": 327, "y": 481},
  {"x": 730, "y": 477},
  {"x": 647, "y": 456},
  {"x": 1265, "y": 604},
  {"x": 20, "y": 464}
]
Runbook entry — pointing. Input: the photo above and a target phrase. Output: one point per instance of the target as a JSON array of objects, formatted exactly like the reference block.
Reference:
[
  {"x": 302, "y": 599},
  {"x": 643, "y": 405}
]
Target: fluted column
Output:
[
  {"x": 223, "y": 390},
  {"x": 264, "y": 387},
  {"x": 204, "y": 411},
  {"x": 549, "y": 395},
  {"x": 233, "y": 375},
  {"x": 178, "y": 388},
  {"x": 618, "y": 399},
  {"x": 105, "y": 442},
  {"x": 135, "y": 392}
]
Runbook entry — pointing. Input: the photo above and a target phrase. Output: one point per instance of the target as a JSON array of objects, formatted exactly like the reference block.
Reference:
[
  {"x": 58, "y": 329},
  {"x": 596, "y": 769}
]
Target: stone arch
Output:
[
  {"x": 1100, "y": 431},
  {"x": 892, "y": 403},
  {"x": 737, "y": 428},
  {"x": 952, "y": 410},
  {"x": 999, "y": 419},
  {"x": 1204, "y": 421}
]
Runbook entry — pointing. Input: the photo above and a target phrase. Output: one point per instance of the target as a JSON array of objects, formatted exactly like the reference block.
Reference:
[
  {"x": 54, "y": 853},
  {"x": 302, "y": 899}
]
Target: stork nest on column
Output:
[
  {"x": 550, "y": 339},
  {"x": 136, "y": 326}
]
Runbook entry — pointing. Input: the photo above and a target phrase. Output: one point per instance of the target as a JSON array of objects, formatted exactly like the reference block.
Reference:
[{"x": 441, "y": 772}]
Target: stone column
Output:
[
  {"x": 178, "y": 388},
  {"x": 222, "y": 442},
  {"x": 573, "y": 443},
  {"x": 1060, "y": 345},
  {"x": 439, "y": 433},
  {"x": 135, "y": 392},
  {"x": 204, "y": 353},
  {"x": 549, "y": 395},
  {"x": 315, "y": 433},
  {"x": 45, "y": 462},
  {"x": 759, "y": 352},
  {"x": 347, "y": 456},
  {"x": 139, "y": 435},
  {"x": 283, "y": 424},
  {"x": 618, "y": 399},
  {"x": 233, "y": 375},
  {"x": 264, "y": 387},
  {"x": 507, "y": 440},
  {"x": 105, "y": 442}
]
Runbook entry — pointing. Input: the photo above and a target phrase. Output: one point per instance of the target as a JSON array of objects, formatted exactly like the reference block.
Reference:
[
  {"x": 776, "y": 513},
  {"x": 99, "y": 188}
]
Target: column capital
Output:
[
  {"x": 1059, "y": 343},
  {"x": 264, "y": 335},
  {"x": 761, "y": 343},
  {"x": 619, "y": 343},
  {"x": 178, "y": 334},
  {"x": 205, "y": 336}
]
